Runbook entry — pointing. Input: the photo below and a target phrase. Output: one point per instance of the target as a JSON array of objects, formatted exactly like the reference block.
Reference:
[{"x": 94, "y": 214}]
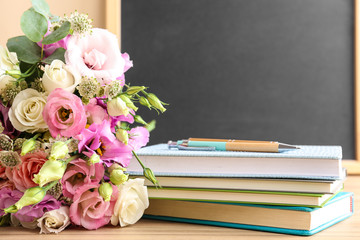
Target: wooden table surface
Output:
[{"x": 157, "y": 230}]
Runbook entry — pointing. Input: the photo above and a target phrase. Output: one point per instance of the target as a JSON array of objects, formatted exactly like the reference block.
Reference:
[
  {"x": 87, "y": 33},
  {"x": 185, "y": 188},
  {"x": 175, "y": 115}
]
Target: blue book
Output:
[
  {"x": 280, "y": 219},
  {"x": 308, "y": 162}
]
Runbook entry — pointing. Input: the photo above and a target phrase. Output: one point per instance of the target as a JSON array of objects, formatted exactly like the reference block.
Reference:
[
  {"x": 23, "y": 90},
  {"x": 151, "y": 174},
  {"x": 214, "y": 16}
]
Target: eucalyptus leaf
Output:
[
  {"x": 26, "y": 50},
  {"x": 58, "y": 34},
  {"x": 58, "y": 54},
  {"x": 34, "y": 25},
  {"x": 41, "y": 7}
]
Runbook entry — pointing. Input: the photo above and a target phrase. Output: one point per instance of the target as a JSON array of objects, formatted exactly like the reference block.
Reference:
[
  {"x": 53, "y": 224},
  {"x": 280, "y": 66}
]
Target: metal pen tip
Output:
[
  {"x": 287, "y": 146},
  {"x": 172, "y": 144}
]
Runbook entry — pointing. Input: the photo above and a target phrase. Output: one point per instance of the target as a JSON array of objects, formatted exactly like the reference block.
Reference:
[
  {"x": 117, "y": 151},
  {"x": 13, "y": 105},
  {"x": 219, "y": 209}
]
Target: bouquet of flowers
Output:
[{"x": 69, "y": 126}]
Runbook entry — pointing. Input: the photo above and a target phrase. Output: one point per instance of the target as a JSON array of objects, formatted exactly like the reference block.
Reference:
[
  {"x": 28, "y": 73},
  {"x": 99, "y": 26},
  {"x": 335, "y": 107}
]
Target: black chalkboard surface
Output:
[{"x": 246, "y": 69}]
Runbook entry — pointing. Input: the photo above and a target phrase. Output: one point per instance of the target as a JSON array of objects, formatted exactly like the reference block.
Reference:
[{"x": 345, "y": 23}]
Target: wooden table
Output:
[{"x": 157, "y": 230}]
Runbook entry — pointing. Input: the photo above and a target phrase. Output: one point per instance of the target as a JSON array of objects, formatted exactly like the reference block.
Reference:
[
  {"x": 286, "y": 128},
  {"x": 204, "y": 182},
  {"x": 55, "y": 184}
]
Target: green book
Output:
[{"x": 241, "y": 196}]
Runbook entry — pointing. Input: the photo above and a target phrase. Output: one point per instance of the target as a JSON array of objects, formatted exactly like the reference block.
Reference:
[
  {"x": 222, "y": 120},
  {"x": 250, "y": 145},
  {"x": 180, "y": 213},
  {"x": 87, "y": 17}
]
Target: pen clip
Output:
[{"x": 180, "y": 147}]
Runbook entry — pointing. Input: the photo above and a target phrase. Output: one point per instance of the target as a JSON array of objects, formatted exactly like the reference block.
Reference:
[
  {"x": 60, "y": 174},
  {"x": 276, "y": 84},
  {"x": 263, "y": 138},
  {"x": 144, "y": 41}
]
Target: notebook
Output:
[
  {"x": 309, "y": 162},
  {"x": 241, "y": 196},
  {"x": 255, "y": 184},
  {"x": 279, "y": 219}
]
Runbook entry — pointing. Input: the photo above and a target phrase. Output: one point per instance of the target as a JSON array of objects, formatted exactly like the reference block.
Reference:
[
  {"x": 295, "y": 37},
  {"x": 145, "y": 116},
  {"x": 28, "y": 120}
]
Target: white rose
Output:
[
  {"x": 117, "y": 107},
  {"x": 59, "y": 75},
  {"x": 54, "y": 221},
  {"x": 5, "y": 79},
  {"x": 131, "y": 203},
  {"x": 8, "y": 60},
  {"x": 25, "y": 113}
]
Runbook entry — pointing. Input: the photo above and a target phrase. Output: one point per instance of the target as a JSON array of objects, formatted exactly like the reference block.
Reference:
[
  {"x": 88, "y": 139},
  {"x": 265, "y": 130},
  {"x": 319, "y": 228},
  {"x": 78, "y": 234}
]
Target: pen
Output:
[{"x": 230, "y": 145}]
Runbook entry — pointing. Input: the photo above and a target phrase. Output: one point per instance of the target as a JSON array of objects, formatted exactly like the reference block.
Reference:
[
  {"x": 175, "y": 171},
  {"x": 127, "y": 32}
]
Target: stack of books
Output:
[{"x": 294, "y": 192}]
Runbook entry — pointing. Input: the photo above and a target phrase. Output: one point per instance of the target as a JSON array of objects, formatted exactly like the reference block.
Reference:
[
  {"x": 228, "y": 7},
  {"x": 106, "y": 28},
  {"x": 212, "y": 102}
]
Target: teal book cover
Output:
[{"x": 326, "y": 222}]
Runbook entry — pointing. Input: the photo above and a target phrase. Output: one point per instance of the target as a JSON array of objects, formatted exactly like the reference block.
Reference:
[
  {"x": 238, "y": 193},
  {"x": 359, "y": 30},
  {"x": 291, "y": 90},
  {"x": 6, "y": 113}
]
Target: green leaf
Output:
[
  {"x": 58, "y": 54},
  {"x": 34, "y": 25},
  {"x": 26, "y": 50},
  {"x": 41, "y": 7},
  {"x": 58, "y": 34}
]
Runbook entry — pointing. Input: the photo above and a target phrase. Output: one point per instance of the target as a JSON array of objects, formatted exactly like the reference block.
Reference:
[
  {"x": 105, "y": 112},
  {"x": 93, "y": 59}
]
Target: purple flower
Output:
[
  {"x": 99, "y": 139},
  {"x": 5, "y": 121},
  {"x": 8, "y": 197},
  {"x": 29, "y": 213}
]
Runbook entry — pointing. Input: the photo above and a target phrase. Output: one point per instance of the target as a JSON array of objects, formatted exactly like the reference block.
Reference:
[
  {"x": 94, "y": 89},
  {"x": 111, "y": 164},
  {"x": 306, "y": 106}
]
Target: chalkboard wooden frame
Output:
[
  {"x": 113, "y": 24},
  {"x": 354, "y": 166}
]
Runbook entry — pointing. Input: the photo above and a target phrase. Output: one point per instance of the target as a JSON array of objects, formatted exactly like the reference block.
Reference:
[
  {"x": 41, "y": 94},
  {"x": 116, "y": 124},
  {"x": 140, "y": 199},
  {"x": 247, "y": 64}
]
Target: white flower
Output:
[
  {"x": 26, "y": 111},
  {"x": 117, "y": 107},
  {"x": 5, "y": 79},
  {"x": 54, "y": 221},
  {"x": 131, "y": 203},
  {"x": 59, "y": 75},
  {"x": 8, "y": 60}
]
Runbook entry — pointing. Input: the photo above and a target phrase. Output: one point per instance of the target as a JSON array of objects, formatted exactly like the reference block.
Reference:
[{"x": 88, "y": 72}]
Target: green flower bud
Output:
[
  {"x": 134, "y": 89},
  {"x": 52, "y": 170},
  {"x": 28, "y": 146},
  {"x": 94, "y": 159},
  {"x": 122, "y": 135},
  {"x": 105, "y": 190},
  {"x": 59, "y": 150},
  {"x": 143, "y": 101},
  {"x": 155, "y": 102},
  {"x": 14, "y": 73},
  {"x": 117, "y": 176},
  {"x": 128, "y": 102},
  {"x": 149, "y": 174},
  {"x": 117, "y": 107},
  {"x": 31, "y": 196},
  {"x": 151, "y": 125},
  {"x": 139, "y": 119}
]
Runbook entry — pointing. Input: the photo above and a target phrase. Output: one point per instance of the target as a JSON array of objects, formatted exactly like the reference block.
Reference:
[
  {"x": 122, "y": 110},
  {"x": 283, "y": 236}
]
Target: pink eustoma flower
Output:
[
  {"x": 79, "y": 173},
  {"x": 23, "y": 174},
  {"x": 99, "y": 139},
  {"x": 96, "y": 55},
  {"x": 138, "y": 137},
  {"x": 64, "y": 113},
  {"x": 94, "y": 112},
  {"x": 89, "y": 209},
  {"x": 128, "y": 65}
]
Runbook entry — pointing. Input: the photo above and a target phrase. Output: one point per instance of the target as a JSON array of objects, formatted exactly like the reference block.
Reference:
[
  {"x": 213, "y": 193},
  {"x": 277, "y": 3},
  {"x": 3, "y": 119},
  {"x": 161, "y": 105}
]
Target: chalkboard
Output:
[{"x": 246, "y": 69}]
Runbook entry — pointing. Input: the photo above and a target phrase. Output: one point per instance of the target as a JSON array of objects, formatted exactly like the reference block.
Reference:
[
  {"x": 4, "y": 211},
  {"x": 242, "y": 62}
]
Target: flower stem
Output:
[
  {"x": 50, "y": 185},
  {"x": 42, "y": 51},
  {"x": 137, "y": 158},
  {"x": 148, "y": 173},
  {"x": 71, "y": 158}
]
